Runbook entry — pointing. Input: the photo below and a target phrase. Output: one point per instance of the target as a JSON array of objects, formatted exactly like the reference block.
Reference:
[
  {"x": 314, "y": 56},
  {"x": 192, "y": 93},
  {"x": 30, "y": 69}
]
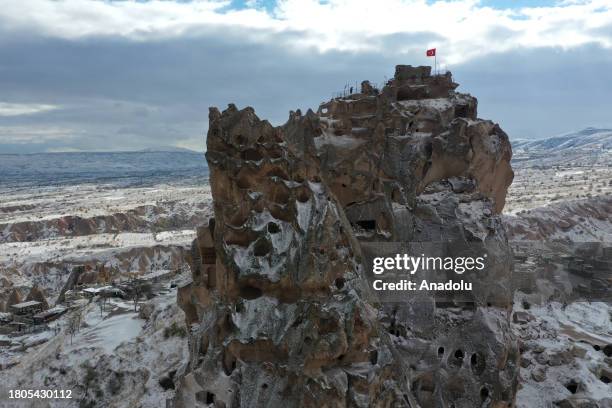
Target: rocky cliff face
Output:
[
  {"x": 584, "y": 220},
  {"x": 279, "y": 308}
]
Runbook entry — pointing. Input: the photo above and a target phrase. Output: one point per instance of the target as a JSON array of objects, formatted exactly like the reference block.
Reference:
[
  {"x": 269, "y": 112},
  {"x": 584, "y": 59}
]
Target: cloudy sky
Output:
[{"x": 127, "y": 74}]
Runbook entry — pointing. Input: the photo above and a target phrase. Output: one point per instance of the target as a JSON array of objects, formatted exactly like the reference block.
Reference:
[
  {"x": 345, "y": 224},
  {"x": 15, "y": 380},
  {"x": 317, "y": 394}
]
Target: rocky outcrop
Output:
[
  {"x": 12, "y": 298},
  {"x": 36, "y": 294},
  {"x": 54, "y": 276},
  {"x": 279, "y": 307},
  {"x": 165, "y": 216},
  {"x": 585, "y": 220},
  {"x": 564, "y": 362}
]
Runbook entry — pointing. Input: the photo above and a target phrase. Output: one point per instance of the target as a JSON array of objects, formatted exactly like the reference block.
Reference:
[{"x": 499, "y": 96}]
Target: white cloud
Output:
[
  {"x": 124, "y": 75},
  {"x": 72, "y": 19},
  {"x": 463, "y": 28},
  {"x": 18, "y": 109}
]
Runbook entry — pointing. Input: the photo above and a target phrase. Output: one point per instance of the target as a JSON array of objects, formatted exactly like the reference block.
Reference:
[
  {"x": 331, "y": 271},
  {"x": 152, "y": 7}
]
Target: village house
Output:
[
  {"x": 28, "y": 308},
  {"x": 49, "y": 315},
  {"x": 104, "y": 291}
]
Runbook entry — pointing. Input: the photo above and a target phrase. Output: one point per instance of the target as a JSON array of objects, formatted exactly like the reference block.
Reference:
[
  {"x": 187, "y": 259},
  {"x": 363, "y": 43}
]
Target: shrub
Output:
[{"x": 175, "y": 330}]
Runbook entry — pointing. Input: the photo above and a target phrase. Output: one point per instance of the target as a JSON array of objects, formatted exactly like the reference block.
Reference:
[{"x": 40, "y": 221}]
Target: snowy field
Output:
[
  {"x": 126, "y": 356},
  {"x": 39, "y": 204},
  {"x": 116, "y": 357},
  {"x": 564, "y": 352},
  {"x": 132, "y": 213},
  {"x": 569, "y": 167},
  {"x": 562, "y": 192},
  {"x": 44, "y": 234}
]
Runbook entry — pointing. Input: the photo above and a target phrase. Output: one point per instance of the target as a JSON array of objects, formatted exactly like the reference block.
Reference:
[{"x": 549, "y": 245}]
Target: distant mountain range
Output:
[
  {"x": 167, "y": 149},
  {"x": 586, "y": 139},
  {"x": 118, "y": 168},
  {"x": 42, "y": 149}
]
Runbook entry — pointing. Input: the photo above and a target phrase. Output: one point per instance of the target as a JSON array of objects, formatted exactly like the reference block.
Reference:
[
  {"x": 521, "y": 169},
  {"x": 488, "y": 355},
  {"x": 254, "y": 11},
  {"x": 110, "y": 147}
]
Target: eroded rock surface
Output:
[
  {"x": 277, "y": 306},
  {"x": 585, "y": 220},
  {"x": 279, "y": 309}
]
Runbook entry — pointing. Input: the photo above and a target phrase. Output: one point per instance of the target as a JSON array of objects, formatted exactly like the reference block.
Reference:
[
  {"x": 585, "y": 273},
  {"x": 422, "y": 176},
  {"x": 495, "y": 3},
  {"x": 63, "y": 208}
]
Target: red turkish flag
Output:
[{"x": 431, "y": 53}]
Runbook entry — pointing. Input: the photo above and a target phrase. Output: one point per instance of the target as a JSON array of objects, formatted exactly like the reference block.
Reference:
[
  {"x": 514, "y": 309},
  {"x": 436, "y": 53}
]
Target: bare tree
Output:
[
  {"x": 74, "y": 323},
  {"x": 101, "y": 305},
  {"x": 136, "y": 296}
]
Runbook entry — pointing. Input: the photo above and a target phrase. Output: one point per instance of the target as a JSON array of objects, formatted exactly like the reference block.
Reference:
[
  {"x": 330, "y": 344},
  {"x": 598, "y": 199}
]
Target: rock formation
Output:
[
  {"x": 280, "y": 309},
  {"x": 13, "y": 298},
  {"x": 36, "y": 294},
  {"x": 584, "y": 220}
]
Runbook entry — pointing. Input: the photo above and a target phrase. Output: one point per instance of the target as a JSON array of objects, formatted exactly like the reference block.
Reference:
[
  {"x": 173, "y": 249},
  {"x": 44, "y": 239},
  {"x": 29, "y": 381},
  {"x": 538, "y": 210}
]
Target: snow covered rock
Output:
[{"x": 279, "y": 308}]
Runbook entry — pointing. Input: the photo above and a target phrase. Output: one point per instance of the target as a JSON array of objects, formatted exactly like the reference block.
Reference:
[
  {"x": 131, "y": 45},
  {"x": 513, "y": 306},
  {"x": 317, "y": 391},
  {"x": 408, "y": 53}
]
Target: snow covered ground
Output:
[
  {"x": 71, "y": 249},
  {"x": 118, "y": 215},
  {"x": 560, "y": 200},
  {"x": 569, "y": 167},
  {"x": 118, "y": 357},
  {"x": 564, "y": 353},
  {"x": 85, "y": 209},
  {"x": 47, "y": 230},
  {"x": 537, "y": 187}
]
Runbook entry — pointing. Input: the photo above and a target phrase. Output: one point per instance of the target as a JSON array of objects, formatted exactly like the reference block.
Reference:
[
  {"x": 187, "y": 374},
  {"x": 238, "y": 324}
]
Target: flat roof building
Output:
[{"x": 27, "y": 308}]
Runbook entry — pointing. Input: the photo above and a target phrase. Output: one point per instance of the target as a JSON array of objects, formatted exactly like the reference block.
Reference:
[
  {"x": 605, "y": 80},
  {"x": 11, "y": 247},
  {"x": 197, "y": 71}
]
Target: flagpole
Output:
[{"x": 432, "y": 53}]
